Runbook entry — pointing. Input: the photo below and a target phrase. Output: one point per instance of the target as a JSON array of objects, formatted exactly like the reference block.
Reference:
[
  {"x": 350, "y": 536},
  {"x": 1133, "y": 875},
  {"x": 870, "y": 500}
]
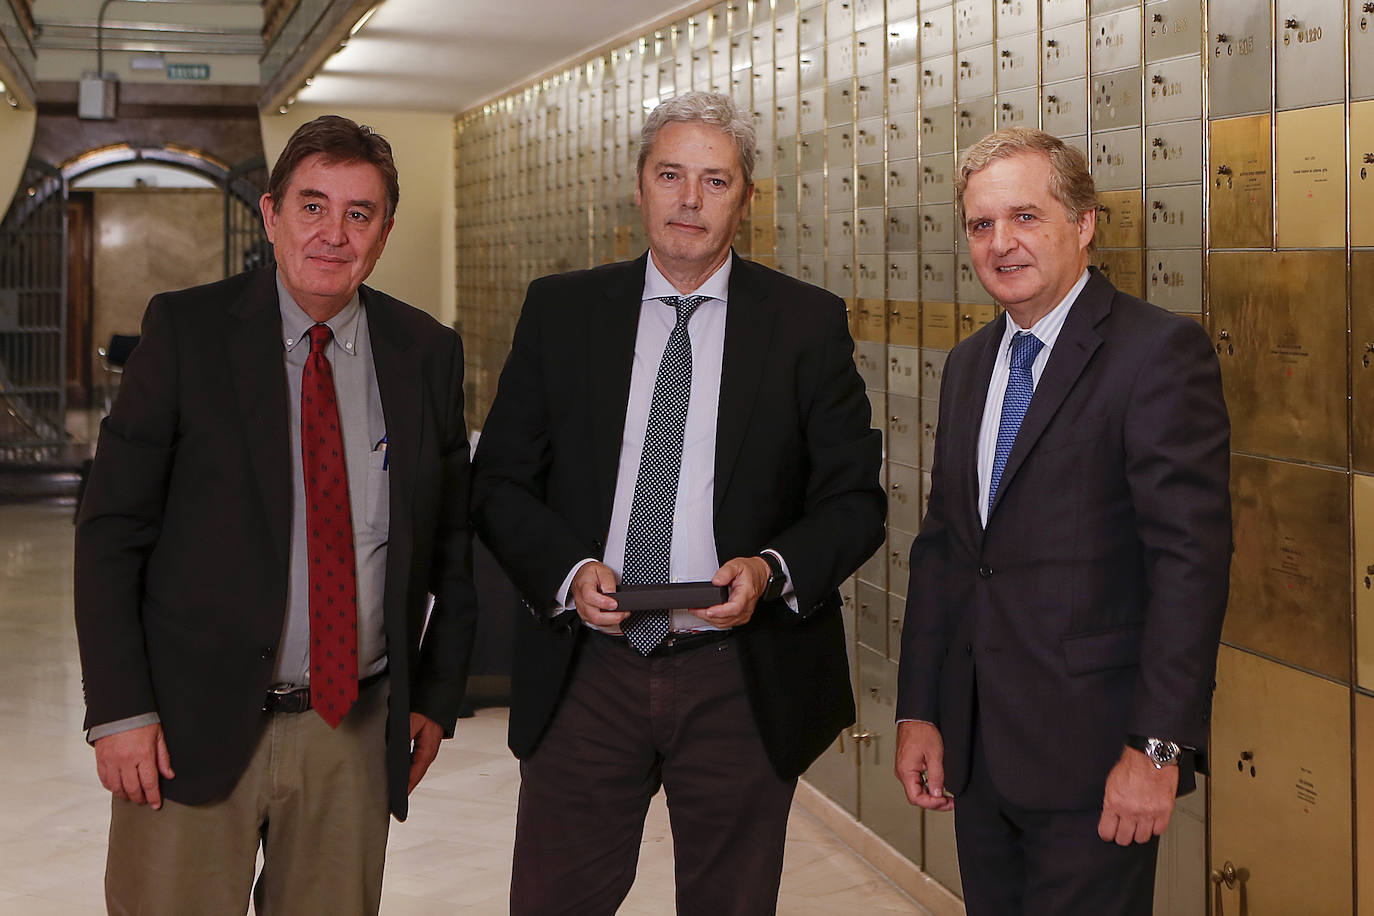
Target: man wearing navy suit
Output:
[{"x": 1070, "y": 577}]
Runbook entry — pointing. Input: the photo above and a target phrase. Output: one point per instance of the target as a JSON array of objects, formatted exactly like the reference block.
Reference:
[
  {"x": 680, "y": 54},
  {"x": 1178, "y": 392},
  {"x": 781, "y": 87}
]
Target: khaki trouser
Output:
[{"x": 314, "y": 798}]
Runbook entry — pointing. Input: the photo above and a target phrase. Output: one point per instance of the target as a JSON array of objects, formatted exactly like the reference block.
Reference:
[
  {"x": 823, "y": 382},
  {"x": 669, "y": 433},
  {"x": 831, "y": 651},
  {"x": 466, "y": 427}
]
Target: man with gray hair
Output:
[
  {"x": 1070, "y": 577},
  {"x": 686, "y": 417}
]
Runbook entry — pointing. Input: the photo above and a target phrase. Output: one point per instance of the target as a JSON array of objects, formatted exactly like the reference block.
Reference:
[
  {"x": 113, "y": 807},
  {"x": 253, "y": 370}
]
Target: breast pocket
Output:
[{"x": 377, "y": 505}]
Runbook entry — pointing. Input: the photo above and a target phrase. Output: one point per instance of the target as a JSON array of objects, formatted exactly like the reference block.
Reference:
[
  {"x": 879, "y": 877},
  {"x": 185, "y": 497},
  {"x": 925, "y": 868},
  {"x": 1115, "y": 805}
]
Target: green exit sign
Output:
[{"x": 188, "y": 71}]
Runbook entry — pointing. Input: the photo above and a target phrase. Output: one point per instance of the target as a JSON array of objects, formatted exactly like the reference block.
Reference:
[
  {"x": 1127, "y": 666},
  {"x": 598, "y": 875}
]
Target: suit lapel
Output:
[
  {"x": 401, "y": 392},
  {"x": 749, "y": 321},
  {"x": 609, "y": 349},
  {"x": 259, "y": 379},
  {"x": 1077, "y": 342}
]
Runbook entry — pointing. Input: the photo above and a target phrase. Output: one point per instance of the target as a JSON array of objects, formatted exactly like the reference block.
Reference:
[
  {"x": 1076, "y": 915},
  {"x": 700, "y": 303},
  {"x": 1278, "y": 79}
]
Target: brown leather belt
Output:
[
  {"x": 285, "y": 698},
  {"x": 675, "y": 643}
]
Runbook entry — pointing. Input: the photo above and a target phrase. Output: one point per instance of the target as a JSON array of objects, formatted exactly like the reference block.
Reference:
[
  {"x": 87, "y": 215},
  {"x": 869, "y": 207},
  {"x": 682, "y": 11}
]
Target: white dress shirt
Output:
[{"x": 1047, "y": 330}]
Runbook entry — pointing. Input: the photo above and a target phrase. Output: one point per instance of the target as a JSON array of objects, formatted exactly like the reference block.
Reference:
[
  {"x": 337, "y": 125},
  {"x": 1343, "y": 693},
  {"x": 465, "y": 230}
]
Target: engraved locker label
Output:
[
  {"x": 974, "y": 72},
  {"x": 813, "y": 104},
  {"x": 903, "y": 374},
  {"x": 903, "y": 327},
  {"x": 903, "y": 179},
  {"x": 937, "y": 227},
  {"x": 1278, "y": 321},
  {"x": 1115, "y": 159},
  {"x": 1363, "y": 487},
  {"x": 812, "y": 194},
  {"x": 1173, "y": 90},
  {"x": 973, "y": 316},
  {"x": 937, "y": 130},
  {"x": 937, "y": 277},
  {"x": 1062, "y": 12},
  {"x": 1065, "y": 108},
  {"x": 1238, "y": 76},
  {"x": 870, "y": 187},
  {"x": 901, "y": 89},
  {"x": 1174, "y": 217},
  {"x": 868, "y": 96},
  {"x": 1116, "y": 100},
  {"x": 968, "y": 287},
  {"x": 1310, "y": 53},
  {"x": 901, "y": 229},
  {"x": 937, "y": 32},
  {"x": 1175, "y": 278},
  {"x": 1174, "y": 152},
  {"x": 1015, "y": 17},
  {"x": 938, "y": 326},
  {"x": 869, "y": 141},
  {"x": 972, "y": 23},
  {"x": 1361, "y": 174},
  {"x": 937, "y": 81},
  {"x": 1173, "y": 28},
  {"x": 1115, "y": 41},
  {"x": 937, "y": 178},
  {"x": 1362, "y": 361},
  {"x": 1063, "y": 53},
  {"x": 872, "y": 320},
  {"x": 868, "y": 51},
  {"x": 839, "y": 60},
  {"x": 901, "y": 277},
  {"x": 976, "y": 119},
  {"x": 1016, "y": 62},
  {"x": 1310, "y": 177},
  {"x": 1118, "y": 219},
  {"x": 868, "y": 232},
  {"x": 1122, "y": 267},
  {"x": 902, "y": 42},
  {"x": 1362, "y": 87}
]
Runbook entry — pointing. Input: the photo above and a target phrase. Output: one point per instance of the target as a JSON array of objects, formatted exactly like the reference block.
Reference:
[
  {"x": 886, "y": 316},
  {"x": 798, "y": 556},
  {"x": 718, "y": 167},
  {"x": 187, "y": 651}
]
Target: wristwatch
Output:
[
  {"x": 1162, "y": 753},
  {"x": 777, "y": 579}
]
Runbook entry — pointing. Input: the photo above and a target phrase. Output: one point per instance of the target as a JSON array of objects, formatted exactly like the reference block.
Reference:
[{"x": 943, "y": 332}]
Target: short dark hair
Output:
[{"x": 338, "y": 139}]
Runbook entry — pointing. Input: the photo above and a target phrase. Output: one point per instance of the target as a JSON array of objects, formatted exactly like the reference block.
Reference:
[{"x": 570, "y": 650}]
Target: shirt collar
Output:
[
  {"x": 1047, "y": 329},
  {"x": 717, "y": 286},
  {"x": 295, "y": 323}
]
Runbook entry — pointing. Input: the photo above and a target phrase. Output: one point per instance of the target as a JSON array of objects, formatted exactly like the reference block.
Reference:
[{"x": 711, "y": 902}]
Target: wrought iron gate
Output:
[
  {"x": 33, "y": 316},
  {"x": 245, "y": 241}
]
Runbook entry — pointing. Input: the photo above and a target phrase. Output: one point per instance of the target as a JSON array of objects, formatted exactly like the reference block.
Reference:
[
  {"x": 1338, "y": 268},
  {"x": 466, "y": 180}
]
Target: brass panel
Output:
[
  {"x": 1065, "y": 108},
  {"x": 1175, "y": 216},
  {"x": 938, "y": 227},
  {"x": 1280, "y": 789},
  {"x": 1122, "y": 267},
  {"x": 968, "y": 288},
  {"x": 902, "y": 41},
  {"x": 903, "y": 497},
  {"x": 1310, "y": 54},
  {"x": 903, "y": 182},
  {"x": 1016, "y": 56},
  {"x": 872, "y": 323},
  {"x": 882, "y": 803},
  {"x": 973, "y": 316},
  {"x": 938, "y": 327},
  {"x": 1116, "y": 100},
  {"x": 1063, "y": 53},
  {"x": 904, "y": 371},
  {"x": 871, "y": 617},
  {"x": 975, "y": 71},
  {"x": 1361, "y": 175},
  {"x": 973, "y": 22},
  {"x": 901, "y": 278},
  {"x": 870, "y": 357},
  {"x": 937, "y": 130},
  {"x": 1174, "y": 153},
  {"x": 1363, "y": 487},
  {"x": 1279, "y": 322},
  {"x": 1175, "y": 279},
  {"x": 937, "y": 81},
  {"x": 1015, "y": 17},
  {"x": 1173, "y": 90},
  {"x": 1238, "y": 75},
  {"x": 937, "y": 178},
  {"x": 1290, "y": 576},
  {"x": 1240, "y": 211},
  {"x": 937, "y": 31},
  {"x": 1364, "y": 798},
  {"x": 1361, "y": 49},
  {"x": 1115, "y": 40},
  {"x": 937, "y": 276},
  {"x": 898, "y": 574},
  {"x": 1118, "y": 219},
  {"x": 903, "y": 431},
  {"x": 901, "y": 229},
  {"x": 1362, "y": 357},
  {"x": 1017, "y": 107},
  {"x": 1173, "y": 28},
  {"x": 1310, "y": 174},
  {"x": 1060, "y": 12},
  {"x": 1114, "y": 157}
]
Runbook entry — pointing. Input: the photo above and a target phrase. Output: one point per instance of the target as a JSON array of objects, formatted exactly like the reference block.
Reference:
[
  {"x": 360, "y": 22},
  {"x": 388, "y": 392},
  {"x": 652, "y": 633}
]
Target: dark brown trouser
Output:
[{"x": 627, "y": 725}]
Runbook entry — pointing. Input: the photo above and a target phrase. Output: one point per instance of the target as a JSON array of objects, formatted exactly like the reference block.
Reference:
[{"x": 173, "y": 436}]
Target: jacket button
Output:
[
  {"x": 268, "y": 652},
  {"x": 968, "y": 648},
  {"x": 985, "y": 572}
]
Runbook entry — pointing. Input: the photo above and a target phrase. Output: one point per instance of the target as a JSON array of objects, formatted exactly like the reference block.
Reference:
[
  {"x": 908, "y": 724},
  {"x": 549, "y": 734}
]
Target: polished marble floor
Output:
[{"x": 452, "y": 856}]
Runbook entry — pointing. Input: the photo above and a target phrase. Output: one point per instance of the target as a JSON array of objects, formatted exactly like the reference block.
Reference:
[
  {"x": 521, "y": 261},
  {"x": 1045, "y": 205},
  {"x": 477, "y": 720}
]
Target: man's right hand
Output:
[
  {"x": 593, "y": 591},
  {"x": 129, "y": 763},
  {"x": 921, "y": 750}
]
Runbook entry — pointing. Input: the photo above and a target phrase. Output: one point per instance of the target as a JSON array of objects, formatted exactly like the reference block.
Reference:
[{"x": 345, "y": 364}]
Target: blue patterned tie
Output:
[
  {"x": 649, "y": 534},
  {"x": 1025, "y": 346}
]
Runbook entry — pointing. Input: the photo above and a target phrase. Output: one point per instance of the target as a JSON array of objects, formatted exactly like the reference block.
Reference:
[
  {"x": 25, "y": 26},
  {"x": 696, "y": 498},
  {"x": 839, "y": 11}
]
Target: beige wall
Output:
[
  {"x": 418, "y": 264},
  {"x": 16, "y": 138}
]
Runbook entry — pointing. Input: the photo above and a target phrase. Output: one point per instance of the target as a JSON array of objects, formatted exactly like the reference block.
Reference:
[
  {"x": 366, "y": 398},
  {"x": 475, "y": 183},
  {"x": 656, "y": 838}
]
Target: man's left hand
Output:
[
  {"x": 1139, "y": 800},
  {"x": 425, "y": 735},
  {"x": 747, "y": 578}
]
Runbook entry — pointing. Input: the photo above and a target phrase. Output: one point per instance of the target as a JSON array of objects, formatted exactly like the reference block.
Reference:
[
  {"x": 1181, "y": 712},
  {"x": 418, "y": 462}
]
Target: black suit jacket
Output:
[
  {"x": 796, "y": 469},
  {"x": 1090, "y": 607},
  {"x": 183, "y": 541}
]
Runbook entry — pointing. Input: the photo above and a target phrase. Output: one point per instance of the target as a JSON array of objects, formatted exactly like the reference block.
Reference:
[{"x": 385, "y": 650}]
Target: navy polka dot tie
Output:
[
  {"x": 329, "y": 540},
  {"x": 1025, "y": 346},
  {"x": 649, "y": 535}
]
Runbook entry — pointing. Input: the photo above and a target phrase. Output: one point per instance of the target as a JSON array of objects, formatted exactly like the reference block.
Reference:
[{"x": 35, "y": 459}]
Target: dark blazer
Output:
[
  {"x": 183, "y": 540},
  {"x": 1090, "y": 607},
  {"x": 796, "y": 469}
]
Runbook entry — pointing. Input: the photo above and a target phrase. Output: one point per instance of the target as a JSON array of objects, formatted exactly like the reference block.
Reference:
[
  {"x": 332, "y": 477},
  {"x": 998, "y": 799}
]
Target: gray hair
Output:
[{"x": 714, "y": 108}]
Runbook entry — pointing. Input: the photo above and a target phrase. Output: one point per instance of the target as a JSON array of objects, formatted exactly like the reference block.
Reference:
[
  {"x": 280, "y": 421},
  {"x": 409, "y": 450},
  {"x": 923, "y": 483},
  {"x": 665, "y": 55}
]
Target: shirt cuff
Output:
[
  {"x": 789, "y": 594},
  {"x": 121, "y": 725},
  {"x": 563, "y": 600}
]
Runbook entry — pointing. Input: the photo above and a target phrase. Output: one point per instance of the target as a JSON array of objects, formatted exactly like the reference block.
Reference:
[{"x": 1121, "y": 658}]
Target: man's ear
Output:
[{"x": 269, "y": 216}]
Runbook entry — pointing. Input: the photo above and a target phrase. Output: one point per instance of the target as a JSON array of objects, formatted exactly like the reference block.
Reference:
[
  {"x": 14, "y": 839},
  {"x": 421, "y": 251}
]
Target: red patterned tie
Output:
[{"x": 329, "y": 540}]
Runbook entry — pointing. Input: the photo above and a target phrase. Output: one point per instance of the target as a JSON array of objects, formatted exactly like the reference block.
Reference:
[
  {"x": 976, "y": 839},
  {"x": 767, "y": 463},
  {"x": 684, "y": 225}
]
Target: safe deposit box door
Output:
[
  {"x": 1362, "y": 357},
  {"x": 1280, "y": 784},
  {"x": 1174, "y": 278},
  {"x": 1364, "y": 582},
  {"x": 1361, "y": 175},
  {"x": 1239, "y": 74},
  {"x": 1310, "y": 174},
  {"x": 942, "y": 858},
  {"x": 1310, "y": 56},
  {"x": 1241, "y": 209},
  {"x": 1118, "y": 219},
  {"x": 1364, "y": 793},
  {"x": 882, "y": 802},
  {"x": 1290, "y": 579},
  {"x": 1278, "y": 322}
]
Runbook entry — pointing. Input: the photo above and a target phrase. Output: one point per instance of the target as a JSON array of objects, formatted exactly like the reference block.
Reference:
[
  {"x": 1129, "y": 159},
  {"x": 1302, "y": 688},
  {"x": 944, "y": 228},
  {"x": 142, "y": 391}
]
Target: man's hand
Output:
[
  {"x": 593, "y": 590},
  {"x": 747, "y": 578},
  {"x": 425, "y": 735},
  {"x": 129, "y": 762},
  {"x": 1139, "y": 800},
  {"x": 921, "y": 765}
]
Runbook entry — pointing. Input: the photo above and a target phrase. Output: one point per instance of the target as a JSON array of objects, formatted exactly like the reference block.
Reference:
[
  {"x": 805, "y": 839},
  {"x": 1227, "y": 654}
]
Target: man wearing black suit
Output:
[
  {"x": 689, "y": 415},
  {"x": 279, "y": 487},
  {"x": 1070, "y": 577}
]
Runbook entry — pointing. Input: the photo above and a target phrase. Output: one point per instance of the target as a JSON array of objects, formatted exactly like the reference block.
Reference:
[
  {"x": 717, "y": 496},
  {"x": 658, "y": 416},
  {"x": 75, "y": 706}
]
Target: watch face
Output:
[{"x": 1162, "y": 753}]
